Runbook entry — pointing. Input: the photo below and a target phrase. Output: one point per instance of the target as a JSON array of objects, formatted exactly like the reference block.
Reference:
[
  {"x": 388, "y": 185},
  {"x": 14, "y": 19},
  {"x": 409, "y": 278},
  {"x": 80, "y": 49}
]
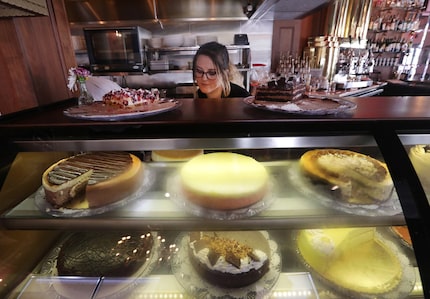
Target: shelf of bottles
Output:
[{"x": 392, "y": 30}]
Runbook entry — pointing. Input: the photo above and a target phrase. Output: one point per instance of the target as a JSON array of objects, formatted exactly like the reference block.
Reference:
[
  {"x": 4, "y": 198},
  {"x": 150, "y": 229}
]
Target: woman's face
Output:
[{"x": 207, "y": 77}]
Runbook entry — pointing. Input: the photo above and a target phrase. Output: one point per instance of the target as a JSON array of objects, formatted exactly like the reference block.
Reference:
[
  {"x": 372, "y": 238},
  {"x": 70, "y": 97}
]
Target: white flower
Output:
[{"x": 72, "y": 80}]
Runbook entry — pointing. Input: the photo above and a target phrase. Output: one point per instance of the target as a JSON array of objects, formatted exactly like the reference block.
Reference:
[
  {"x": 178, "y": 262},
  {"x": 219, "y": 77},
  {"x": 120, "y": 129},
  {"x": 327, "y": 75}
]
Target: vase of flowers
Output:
[{"x": 77, "y": 81}]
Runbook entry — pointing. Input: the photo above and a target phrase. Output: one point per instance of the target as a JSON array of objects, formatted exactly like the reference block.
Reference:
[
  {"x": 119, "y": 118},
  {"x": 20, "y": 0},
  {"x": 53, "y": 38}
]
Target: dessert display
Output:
[
  {"x": 280, "y": 90},
  {"x": 92, "y": 180},
  {"x": 355, "y": 260},
  {"x": 223, "y": 180},
  {"x": 420, "y": 158},
  {"x": 349, "y": 176},
  {"x": 127, "y": 97},
  {"x": 107, "y": 254},
  {"x": 174, "y": 155}
]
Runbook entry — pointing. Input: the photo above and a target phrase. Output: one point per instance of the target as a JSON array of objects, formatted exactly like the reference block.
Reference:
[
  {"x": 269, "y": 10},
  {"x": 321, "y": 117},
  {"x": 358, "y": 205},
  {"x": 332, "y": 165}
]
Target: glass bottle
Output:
[{"x": 85, "y": 98}]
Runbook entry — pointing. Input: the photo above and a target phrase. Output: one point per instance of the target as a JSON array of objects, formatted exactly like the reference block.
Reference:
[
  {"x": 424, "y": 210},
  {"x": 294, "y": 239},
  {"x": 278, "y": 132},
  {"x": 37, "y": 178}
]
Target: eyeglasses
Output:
[{"x": 210, "y": 75}]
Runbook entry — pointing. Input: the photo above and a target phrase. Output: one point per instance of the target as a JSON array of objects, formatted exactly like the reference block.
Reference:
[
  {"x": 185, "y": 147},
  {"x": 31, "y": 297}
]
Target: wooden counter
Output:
[{"x": 220, "y": 116}]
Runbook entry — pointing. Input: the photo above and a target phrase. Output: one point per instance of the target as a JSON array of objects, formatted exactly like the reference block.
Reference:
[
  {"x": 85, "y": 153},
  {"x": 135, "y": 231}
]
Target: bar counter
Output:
[{"x": 222, "y": 116}]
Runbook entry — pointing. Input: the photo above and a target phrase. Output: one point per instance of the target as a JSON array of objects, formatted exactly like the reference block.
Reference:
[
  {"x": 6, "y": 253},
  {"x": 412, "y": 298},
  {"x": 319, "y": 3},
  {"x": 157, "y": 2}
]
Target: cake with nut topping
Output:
[
  {"x": 349, "y": 176},
  {"x": 229, "y": 259}
]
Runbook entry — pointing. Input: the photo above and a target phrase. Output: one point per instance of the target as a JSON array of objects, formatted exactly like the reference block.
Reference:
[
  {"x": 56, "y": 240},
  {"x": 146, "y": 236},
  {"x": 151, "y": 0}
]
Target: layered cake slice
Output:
[{"x": 280, "y": 90}]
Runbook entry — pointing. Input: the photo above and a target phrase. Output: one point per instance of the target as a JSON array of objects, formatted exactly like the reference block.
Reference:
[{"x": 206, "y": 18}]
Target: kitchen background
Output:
[
  {"x": 194, "y": 20},
  {"x": 259, "y": 34},
  {"x": 38, "y": 41}
]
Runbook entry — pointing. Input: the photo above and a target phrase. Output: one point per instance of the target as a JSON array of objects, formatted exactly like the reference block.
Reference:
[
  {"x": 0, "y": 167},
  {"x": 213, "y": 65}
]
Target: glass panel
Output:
[
  {"x": 304, "y": 264},
  {"x": 292, "y": 198},
  {"x": 418, "y": 149},
  {"x": 298, "y": 217}
]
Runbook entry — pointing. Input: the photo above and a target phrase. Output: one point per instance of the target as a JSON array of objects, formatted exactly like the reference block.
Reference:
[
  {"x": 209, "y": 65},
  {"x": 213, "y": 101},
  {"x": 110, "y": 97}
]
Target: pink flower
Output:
[{"x": 77, "y": 74}]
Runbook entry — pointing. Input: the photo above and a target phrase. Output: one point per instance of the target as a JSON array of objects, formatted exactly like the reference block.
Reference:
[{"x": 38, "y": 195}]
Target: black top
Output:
[{"x": 236, "y": 91}]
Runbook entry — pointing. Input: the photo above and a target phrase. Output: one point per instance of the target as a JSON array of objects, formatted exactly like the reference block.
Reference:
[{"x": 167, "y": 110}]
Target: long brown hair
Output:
[{"x": 219, "y": 55}]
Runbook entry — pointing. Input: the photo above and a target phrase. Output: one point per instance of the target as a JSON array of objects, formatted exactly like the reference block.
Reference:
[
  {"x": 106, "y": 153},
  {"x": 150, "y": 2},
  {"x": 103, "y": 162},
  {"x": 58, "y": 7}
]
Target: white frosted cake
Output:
[{"x": 224, "y": 180}]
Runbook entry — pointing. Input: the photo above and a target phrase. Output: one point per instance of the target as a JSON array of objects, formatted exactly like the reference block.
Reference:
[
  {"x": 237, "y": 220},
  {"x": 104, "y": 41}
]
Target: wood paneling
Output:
[
  {"x": 17, "y": 91},
  {"x": 285, "y": 40},
  {"x": 291, "y": 36},
  {"x": 36, "y": 53}
]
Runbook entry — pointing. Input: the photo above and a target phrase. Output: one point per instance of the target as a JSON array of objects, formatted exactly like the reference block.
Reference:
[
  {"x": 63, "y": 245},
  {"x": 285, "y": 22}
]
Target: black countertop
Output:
[{"x": 221, "y": 116}]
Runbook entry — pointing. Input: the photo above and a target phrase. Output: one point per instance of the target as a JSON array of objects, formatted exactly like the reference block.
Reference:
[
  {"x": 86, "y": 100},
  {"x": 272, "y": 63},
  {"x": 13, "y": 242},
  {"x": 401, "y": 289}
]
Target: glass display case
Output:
[{"x": 315, "y": 240}]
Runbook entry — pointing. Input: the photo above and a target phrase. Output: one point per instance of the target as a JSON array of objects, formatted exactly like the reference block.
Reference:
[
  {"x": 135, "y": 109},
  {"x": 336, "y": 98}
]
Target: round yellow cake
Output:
[
  {"x": 174, "y": 155},
  {"x": 224, "y": 181},
  {"x": 354, "y": 259}
]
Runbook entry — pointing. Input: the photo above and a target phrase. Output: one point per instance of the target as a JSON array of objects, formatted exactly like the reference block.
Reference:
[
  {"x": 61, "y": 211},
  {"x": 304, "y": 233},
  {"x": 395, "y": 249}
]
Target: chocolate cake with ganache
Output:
[{"x": 280, "y": 90}]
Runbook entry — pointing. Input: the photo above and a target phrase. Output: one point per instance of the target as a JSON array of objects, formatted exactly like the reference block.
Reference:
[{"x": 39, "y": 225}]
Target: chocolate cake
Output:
[
  {"x": 227, "y": 259},
  {"x": 280, "y": 90},
  {"x": 107, "y": 254}
]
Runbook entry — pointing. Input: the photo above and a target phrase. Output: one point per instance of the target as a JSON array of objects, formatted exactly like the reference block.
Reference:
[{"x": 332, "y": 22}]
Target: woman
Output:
[{"x": 212, "y": 71}]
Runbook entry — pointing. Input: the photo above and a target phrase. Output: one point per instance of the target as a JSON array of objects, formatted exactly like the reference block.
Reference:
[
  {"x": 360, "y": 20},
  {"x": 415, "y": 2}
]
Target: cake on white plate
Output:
[{"x": 224, "y": 181}]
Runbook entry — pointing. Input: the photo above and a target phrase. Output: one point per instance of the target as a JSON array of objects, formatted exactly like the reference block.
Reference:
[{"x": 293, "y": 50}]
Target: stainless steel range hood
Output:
[
  {"x": 87, "y": 12},
  {"x": 113, "y": 11}
]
